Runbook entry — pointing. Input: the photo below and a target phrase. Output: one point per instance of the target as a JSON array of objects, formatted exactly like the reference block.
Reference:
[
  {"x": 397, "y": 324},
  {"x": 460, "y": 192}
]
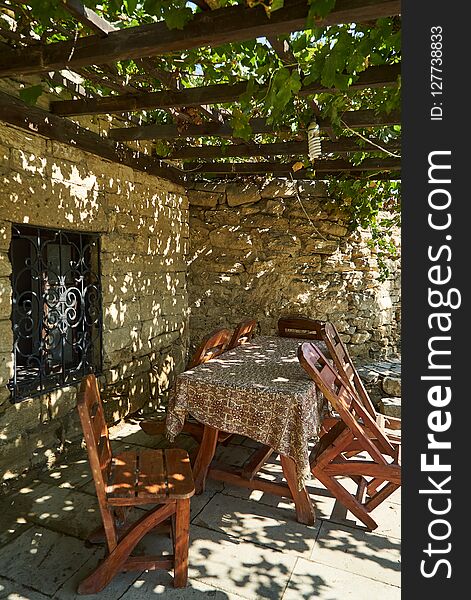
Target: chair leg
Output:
[
  {"x": 380, "y": 496},
  {"x": 345, "y": 498},
  {"x": 182, "y": 537},
  {"x": 116, "y": 560}
]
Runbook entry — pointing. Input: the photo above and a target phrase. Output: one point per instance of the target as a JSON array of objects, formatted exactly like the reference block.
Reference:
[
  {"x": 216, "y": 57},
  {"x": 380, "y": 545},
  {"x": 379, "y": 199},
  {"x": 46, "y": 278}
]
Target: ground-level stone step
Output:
[{"x": 390, "y": 407}]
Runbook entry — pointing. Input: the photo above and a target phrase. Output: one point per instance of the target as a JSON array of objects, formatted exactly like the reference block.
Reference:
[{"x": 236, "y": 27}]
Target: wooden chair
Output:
[
  {"x": 347, "y": 370},
  {"x": 162, "y": 477},
  {"x": 212, "y": 345},
  {"x": 299, "y": 326},
  {"x": 243, "y": 333},
  {"x": 378, "y": 476}
]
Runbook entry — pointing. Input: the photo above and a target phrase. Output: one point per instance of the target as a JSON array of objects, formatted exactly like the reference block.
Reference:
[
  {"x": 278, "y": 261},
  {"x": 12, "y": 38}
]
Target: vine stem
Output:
[
  {"x": 298, "y": 197},
  {"x": 365, "y": 139}
]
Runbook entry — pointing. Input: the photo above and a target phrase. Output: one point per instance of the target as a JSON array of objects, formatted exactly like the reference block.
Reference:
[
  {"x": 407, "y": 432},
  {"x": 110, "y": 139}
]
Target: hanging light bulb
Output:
[{"x": 313, "y": 141}]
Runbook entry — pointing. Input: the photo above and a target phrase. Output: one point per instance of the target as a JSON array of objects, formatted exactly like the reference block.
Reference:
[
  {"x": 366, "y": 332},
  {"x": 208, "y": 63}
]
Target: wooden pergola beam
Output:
[
  {"x": 210, "y": 28},
  {"x": 341, "y": 146},
  {"x": 303, "y": 175},
  {"x": 89, "y": 17},
  {"x": 358, "y": 119},
  {"x": 36, "y": 120},
  {"x": 380, "y": 76},
  {"x": 319, "y": 166}
]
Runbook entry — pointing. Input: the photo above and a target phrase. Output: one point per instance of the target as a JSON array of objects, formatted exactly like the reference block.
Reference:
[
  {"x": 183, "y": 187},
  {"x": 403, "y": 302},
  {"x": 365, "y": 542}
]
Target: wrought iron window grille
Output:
[{"x": 56, "y": 309}]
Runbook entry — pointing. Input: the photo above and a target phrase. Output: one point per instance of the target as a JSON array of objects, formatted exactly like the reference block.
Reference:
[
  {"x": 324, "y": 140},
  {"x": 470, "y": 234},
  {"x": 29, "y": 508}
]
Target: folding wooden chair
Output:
[
  {"x": 378, "y": 476},
  {"x": 344, "y": 364},
  {"x": 162, "y": 477},
  {"x": 243, "y": 333},
  {"x": 212, "y": 345},
  {"x": 299, "y": 326}
]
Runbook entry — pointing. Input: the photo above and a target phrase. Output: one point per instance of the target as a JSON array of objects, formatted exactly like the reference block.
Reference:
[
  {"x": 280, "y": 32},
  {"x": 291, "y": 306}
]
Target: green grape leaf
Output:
[
  {"x": 319, "y": 9},
  {"x": 30, "y": 95},
  {"x": 240, "y": 125}
]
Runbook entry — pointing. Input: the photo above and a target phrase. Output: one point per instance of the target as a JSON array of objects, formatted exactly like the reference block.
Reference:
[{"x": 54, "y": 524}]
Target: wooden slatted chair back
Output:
[
  {"x": 212, "y": 345},
  {"x": 343, "y": 399},
  {"x": 299, "y": 326},
  {"x": 345, "y": 366},
  {"x": 95, "y": 431},
  {"x": 243, "y": 333}
]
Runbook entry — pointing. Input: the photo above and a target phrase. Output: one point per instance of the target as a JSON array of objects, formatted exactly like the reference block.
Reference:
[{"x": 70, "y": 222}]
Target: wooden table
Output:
[{"x": 258, "y": 390}]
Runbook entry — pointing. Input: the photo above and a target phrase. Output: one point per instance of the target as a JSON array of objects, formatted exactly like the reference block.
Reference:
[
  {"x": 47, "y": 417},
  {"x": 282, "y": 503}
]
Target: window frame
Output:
[{"x": 57, "y": 310}]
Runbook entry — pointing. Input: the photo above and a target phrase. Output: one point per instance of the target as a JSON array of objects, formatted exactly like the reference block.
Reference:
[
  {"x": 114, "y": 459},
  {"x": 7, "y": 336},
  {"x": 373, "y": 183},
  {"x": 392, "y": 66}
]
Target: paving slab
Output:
[
  {"x": 373, "y": 556},
  {"x": 160, "y": 583},
  {"x": 233, "y": 455},
  {"x": 42, "y": 559},
  {"x": 260, "y": 524},
  {"x": 12, "y": 525},
  {"x": 71, "y": 474},
  {"x": 114, "y": 590},
  {"x": 322, "y": 582},
  {"x": 197, "y": 503},
  {"x": 234, "y": 566},
  {"x": 61, "y": 509},
  {"x": 322, "y": 499},
  {"x": 10, "y": 590}
]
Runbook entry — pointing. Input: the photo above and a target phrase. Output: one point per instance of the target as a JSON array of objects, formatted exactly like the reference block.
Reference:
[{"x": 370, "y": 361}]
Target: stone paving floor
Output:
[{"x": 244, "y": 545}]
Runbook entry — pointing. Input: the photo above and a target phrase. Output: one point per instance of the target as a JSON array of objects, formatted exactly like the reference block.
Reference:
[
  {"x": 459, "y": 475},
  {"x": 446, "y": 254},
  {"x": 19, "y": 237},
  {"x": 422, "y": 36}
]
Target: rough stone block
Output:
[
  {"x": 5, "y": 300},
  {"x": 311, "y": 188},
  {"x": 204, "y": 198},
  {"x": 278, "y": 188},
  {"x": 242, "y": 193},
  {"x": 5, "y": 235},
  {"x": 390, "y": 406},
  {"x": 360, "y": 337},
  {"x": 20, "y": 417},
  {"x": 14, "y": 457},
  {"x": 61, "y": 402},
  {"x": 318, "y": 246},
  {"x": 30, "y": 162},
  {"x": 232, "y": 237},
  {"x": 6, "y": 336},
  {"x": 392, "y": 386},
  {"x": 5, "y": 266}
]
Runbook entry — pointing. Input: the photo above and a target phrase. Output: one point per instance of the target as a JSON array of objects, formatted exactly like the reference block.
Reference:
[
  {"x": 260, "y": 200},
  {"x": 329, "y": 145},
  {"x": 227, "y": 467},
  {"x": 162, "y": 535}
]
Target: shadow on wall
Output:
[
  {"x": 143, "y": 227},
  {"x": 263, "y": 250}
]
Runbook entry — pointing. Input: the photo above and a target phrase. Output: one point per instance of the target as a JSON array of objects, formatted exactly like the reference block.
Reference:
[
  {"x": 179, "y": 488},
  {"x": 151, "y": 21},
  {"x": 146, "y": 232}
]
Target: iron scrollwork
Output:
[{"x": 56, "y": 309}]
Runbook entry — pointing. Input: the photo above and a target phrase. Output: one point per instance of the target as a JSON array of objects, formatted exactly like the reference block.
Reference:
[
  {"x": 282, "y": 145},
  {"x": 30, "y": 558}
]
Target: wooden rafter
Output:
[
  {"x": 354, "y": 119},
  {"x": 304, "y": 174},
  {"x": 382, "y": 76},
  {"x": 103, "y": 28},
  {"x": 342, "y": 146},
  {"x": 36, "y": 120},
  {"x": 319, "y": 166},
  {"x": 89, "y": 17},
  {"x": 210, "y": 28}
]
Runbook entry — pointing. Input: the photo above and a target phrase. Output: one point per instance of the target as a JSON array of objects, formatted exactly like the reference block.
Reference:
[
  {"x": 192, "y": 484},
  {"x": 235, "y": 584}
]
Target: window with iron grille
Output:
[{"x": 56, "y": 309}]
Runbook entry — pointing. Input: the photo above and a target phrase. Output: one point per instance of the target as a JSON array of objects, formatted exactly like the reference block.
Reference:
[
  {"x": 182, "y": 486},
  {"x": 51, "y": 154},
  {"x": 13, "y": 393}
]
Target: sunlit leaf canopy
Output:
[
  {"x": 333, "y": 56},
  {"x": 275, "y": 69}
]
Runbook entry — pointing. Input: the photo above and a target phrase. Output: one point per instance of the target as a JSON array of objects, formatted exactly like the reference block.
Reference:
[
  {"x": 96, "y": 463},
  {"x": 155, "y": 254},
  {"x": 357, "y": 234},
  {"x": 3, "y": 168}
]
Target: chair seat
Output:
[{"x": 149, "y": 477}]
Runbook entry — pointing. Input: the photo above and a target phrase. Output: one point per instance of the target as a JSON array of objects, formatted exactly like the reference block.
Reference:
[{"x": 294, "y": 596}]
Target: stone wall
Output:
[
  {"x": 260, "y": 250},
  {"x": 143, "y": 224}
]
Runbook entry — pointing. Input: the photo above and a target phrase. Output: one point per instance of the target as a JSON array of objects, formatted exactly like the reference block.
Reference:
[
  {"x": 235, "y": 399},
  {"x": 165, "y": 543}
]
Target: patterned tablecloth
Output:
[{"x": 259, "y": 390}]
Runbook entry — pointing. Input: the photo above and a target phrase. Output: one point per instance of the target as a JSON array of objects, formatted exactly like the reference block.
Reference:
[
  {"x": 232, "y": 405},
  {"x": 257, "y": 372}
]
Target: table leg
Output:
[
  {"x": 304, "y": 508},
  {"x": 204, "y": 457}
]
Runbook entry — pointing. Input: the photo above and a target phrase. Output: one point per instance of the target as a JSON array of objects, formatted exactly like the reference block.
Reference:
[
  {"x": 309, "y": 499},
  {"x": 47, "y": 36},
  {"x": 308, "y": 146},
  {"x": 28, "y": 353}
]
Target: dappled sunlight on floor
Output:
[{"x": 243, "y": 543}]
